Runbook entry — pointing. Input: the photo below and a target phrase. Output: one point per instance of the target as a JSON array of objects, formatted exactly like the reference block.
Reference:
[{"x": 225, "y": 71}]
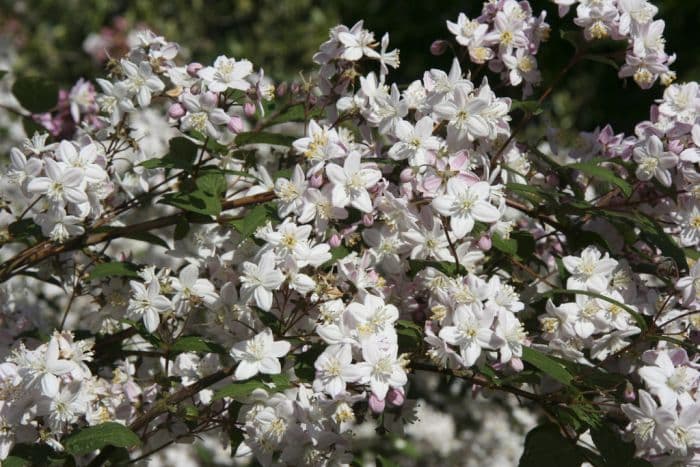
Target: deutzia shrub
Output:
[{"x": 292, "y": 272}]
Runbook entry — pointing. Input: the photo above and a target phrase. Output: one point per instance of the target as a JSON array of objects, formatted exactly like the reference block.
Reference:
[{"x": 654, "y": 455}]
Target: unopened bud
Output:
[
  {"x": 316, "y": 180},
  {"x": 376, "y": 405},
  {"x": 407, "y": 175},
  {"x": 367, "y": 220},
  {"x": 235, "y": 125},
  {"x": 516, "y": 364},
  {"x": 629, "y": 394},
  {"x": 334, "y": 241},
  {"x": 249, "y": 109},
  {"x": 484, "y": 243},
  {"x": 396, "y": 397},
  {"x": 193, "y": 68},
  {"x": 176, "y": 111},
  {"x": 438, "y": 47},
  {"x": 281, "y": 90}
]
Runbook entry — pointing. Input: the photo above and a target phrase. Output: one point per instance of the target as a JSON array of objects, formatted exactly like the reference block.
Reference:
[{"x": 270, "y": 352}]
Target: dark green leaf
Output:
[
  {"x": 241, "y": 390},
  {"x": 530, "y": 107},
  {"x": 604, "y": 174},
  {"x": 148, "y": 238},
  {"x": 195, "y": 344},
  {"x": 264, "y": 137},
  {"x": 114, "y": 269},
  {"x": 96, "y": 437},
  {"x": 295, "y": 113},
  {"x": 548, "y": 365},
  {"x": 546, "y": 447},
  {"x": 194, "y": 201},
  {"x": 182, "y": 155},
  {"x": 614, "y": 450},
  {"x": 23, "y": 229},
  {"x": 446, "y": 267},
  {"x": 253, "y": 219},
  {"x": 36, "y": 94},
  {"x": 337, "y": 253},
  {"x": 602, "y": 59},
  {"x": 508, "y": 246}
]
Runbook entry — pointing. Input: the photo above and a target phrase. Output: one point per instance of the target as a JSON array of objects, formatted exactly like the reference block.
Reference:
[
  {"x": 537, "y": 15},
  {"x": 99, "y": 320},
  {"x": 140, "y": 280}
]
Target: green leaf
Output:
[
  {"x": 241, "y": 390},
  {"x": 508, "y": 246},
  {"x": 448, "y": 268},
  {"x": 604, "y": 174},
  {"x": 113, "y": 269},
  {"x": 37, "y": 95},
  {"x": 601, "y": 59},
  {"x": 3, "y": 73},
  {"x": 253, "y": 219},
  {"x": 25, "y": 455},
  {"x": 23, "y": 229},
  {"x": 531, "y": 107},
  {"x": 548, "y": 365},
  {"x": 264, "y": 137},
  {"x": 295, "y": 113},
  {"x": 96, "y": 437},
  {"x": 614, "y": 450},
  {"x": 195, "y": 344},
  {"x": 182, "y": 155},
  {"x": 546, "y": 447},
  {"x": 409, "y": 334},
  {"x": 148, "y": 238},
  {"x": 194, "y": 201},
  {"x": 337, "y": 253}
]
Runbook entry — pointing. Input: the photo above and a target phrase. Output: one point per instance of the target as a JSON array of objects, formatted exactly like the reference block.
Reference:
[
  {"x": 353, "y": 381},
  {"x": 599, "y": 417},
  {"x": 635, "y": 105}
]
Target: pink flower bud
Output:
[
  {"x": 210, "y": 99},
  {"x": 516, "y": 364},
  {"x": 367, "y": 220},
  {"x": 281, "y": 90},
  {"x": 334, "y": 241},
  {"x": 629, "y": 394},
  {"x": 438, "y": 47},
  {"x": 484, "y": 243},
  {"x": 552, "y": 180},
  {"x": 376, "y": 405},
  {"x": 235, "y": 125},
  {"x": 407, "y": 175},
  {"x": 176, "y": 111},
  {"x": 316, "y": 180},
  {"x": 396, "y": 397},
  {"x": 295, "y": 88},
  {"x": 249, "y": 109},
  {"x": 193, "y": 68}
]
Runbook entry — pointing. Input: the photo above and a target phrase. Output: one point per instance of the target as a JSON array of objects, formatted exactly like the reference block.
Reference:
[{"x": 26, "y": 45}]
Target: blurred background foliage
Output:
[{"x": 282, "y": 35}]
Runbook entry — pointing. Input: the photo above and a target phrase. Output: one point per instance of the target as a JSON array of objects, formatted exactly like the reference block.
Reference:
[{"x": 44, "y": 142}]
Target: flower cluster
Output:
[
  {"x": 288, "y": 266},
  {"x": 632, "y": 21},
  {"x": 507, "y": 36}
]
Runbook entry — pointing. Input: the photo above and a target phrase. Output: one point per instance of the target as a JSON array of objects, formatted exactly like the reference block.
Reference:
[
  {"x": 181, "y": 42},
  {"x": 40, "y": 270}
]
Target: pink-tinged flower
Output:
[
  {"x": 350, "y": 183},
  {"x": 259, "y": 354},
  {"x": 333, "y": 370},
  {"x": 654, "y": 162},
  {"x": 227, "y": 73}
]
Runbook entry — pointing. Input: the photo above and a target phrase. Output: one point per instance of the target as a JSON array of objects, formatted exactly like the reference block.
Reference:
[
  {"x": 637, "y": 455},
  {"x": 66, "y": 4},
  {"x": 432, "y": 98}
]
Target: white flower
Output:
[
  {"x": 148, "y": 303},
  {"x": 466, "y": 115},
  {"x": 260, "y": 280},
  {"x": 290, "y": 193},
  {"x": 191, "y": 290},
  {"x": 414, "y": 142},
  {"x": 654, "y": 162},
  {"x": 84, "y": 160},
  {"x": 357, "y": 44},
  {"x": 259, "y": 354},
  {"x": 141, "y": 81},
  {"x": 203, "y": 115},
  {"x": 227, "y": 73},
  {"x": 381, "y": 368},
  {"x": 471, "y": 333},
  {"x": 61, "y": 185},
  {"x": 333, "y": 369},
  {"x": 589, "y": 271},
  {"x": 465, "y": 205},
  {"x": 373, "y": 315},
  {"x": 350, "y": 183}
]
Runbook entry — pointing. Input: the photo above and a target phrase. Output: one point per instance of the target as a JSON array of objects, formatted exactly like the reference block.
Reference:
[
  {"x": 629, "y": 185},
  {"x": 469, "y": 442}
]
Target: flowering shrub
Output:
[{"x": 191, "y": 249}]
